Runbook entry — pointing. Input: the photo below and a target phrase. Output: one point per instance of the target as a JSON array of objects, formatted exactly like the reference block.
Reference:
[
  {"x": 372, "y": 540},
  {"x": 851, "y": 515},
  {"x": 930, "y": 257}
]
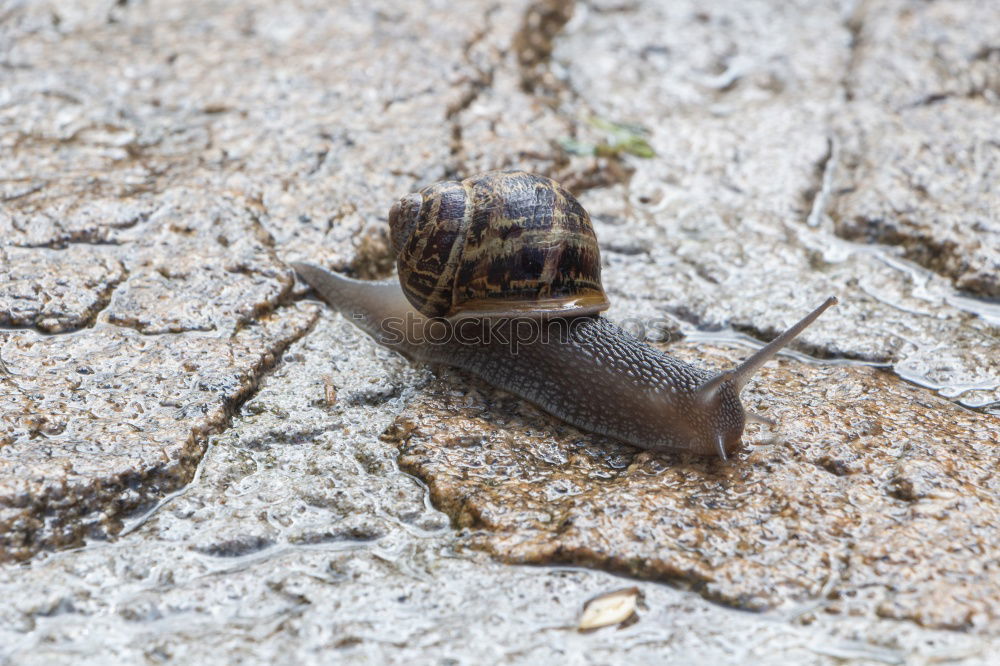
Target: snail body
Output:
[{"x": 522, "y": 326}]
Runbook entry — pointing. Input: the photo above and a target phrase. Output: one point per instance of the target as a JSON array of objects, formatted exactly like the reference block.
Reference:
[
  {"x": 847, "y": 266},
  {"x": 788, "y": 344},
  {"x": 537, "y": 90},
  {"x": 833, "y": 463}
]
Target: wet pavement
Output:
[{"x": 196, "y": 462}]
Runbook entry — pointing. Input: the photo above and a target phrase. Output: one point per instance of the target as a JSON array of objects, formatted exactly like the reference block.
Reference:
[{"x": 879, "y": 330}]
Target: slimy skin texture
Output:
[
  {"x": 588, "y": 371},
  {"x": 600, "y": 378}
]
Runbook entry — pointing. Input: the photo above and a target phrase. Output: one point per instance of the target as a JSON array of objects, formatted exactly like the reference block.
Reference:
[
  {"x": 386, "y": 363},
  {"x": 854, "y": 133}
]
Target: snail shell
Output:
[{"x": 498, "y": 244}]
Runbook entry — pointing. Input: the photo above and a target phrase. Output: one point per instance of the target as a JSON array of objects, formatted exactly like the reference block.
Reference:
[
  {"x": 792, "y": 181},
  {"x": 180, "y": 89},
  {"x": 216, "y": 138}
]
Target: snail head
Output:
[{"x": 719, "y": 396}]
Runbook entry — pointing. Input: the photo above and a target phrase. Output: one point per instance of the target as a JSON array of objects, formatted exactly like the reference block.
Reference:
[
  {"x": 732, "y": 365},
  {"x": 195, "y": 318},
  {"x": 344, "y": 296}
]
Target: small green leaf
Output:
[
  {"x": 639, "y": 148},
  {"x": 622, "y": 138}
]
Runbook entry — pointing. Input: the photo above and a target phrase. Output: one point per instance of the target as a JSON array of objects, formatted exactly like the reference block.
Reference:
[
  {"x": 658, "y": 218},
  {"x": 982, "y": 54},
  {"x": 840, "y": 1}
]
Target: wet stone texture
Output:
[
  {"x": 871, "y": 497},
  {"x": 772, "y": 142},
  {"x": 921, "y": 158},
  {"x": 161, "y": 162},
  {"x": 56, "y": 290},
  {"x": 141, "y": 300},
  {"x": 101, "y": 422},
  {"x": 300, "y": 540}
]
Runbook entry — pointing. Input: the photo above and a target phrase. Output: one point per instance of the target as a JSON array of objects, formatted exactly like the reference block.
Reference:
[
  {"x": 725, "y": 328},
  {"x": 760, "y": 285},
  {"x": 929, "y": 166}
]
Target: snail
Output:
[{"x": 482, "y": 261}]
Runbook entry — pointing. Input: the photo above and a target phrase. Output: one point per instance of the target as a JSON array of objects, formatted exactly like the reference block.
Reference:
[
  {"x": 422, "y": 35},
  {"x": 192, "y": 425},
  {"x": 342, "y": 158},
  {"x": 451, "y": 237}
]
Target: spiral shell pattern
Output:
[{"x": 501, "y": 243}]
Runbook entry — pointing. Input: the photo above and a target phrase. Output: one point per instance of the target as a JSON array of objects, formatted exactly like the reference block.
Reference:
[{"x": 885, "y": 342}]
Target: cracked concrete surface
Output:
[
  {"x": 160, "y": 161},
  {"x": 300, "y": 540},
  {"x": 101, "y": 423},
  {"x": 921, "y": 157}
]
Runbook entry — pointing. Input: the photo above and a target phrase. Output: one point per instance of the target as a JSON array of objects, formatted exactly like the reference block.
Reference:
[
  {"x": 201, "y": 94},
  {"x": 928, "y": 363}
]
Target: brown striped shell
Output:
[{"x": 498, "y": 244}]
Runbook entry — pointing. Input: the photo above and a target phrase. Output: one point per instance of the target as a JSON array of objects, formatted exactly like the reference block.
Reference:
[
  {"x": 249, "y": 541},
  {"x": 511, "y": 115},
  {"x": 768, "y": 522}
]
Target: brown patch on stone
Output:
[
  {"x": 374, "y": 259},
  {"x": 874, "y": 498},
  {"x": 543, "y": 20}
]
